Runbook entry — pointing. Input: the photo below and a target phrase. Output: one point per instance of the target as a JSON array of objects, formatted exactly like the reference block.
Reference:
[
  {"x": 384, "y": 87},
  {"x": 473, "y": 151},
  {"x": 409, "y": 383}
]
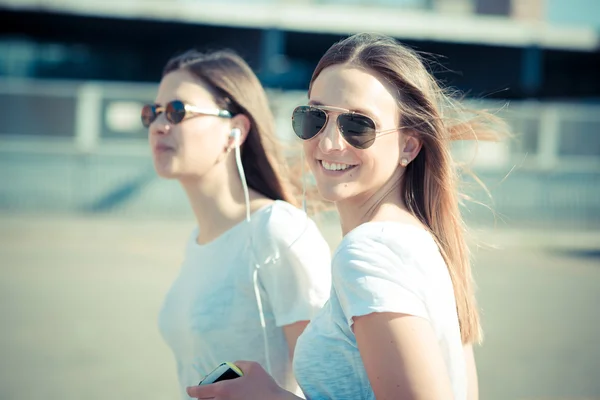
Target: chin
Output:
[
  {"x": 165, "y": 172},
  {"x": 334, "y": 193},
  {"x": 166, "y": 175}
]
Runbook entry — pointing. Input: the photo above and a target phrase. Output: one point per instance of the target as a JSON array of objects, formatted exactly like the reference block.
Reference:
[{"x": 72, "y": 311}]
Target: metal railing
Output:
[
  {"x": 80, "y": 146},
  {"x": 92, "y": 117}
]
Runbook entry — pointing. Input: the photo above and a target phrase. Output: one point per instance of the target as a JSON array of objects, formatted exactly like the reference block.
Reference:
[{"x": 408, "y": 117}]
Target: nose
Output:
[
  {"x": 160, "y": 126},
  {"x": 330, "y": 139}
]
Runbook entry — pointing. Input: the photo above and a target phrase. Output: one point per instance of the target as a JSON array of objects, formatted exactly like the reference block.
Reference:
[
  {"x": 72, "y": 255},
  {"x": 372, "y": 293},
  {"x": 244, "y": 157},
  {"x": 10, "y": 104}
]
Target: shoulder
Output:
[
  {"x": 376, "y": 246},
  {"x": 281, "y": 213},
  {"x": 283, "y": 226},
  {"x": 389, "y": 239},
  {"x": 286, "y": 223}
]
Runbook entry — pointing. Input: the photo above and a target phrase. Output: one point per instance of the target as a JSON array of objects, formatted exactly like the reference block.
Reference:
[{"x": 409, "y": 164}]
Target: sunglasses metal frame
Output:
[
  {"x": 189, "y": 109},
  {"x": 342, "y": 111}
]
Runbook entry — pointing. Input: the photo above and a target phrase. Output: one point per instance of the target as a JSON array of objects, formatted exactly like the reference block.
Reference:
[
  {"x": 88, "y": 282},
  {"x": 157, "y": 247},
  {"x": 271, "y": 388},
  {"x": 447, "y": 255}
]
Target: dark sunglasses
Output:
[
  {"x": 356, "y": 129},
  {"x": 176, "y": 111}
]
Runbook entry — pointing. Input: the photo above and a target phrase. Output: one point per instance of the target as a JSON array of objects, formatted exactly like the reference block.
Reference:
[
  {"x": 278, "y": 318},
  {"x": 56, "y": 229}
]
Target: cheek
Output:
[
  {"x": 202, "y": 142},
  {"x": 389, "y": 148},
  {"x": 382, "y": 159},
  {"x": 309, "y": 147}
]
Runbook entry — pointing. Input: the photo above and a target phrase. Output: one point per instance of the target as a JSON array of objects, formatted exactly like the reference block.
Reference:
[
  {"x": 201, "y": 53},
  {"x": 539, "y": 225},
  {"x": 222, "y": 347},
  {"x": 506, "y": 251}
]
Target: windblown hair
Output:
[{"x": 430, "y": 182}]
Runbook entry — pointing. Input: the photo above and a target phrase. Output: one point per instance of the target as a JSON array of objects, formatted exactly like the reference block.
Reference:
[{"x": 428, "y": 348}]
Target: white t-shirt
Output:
[
  {"x": 210, "y": 315},
  {"x": 378, "y": 267}
]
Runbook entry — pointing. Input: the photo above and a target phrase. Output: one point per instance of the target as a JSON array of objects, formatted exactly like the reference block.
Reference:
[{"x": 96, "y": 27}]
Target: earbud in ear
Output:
[{"x": 235, "y": 133}]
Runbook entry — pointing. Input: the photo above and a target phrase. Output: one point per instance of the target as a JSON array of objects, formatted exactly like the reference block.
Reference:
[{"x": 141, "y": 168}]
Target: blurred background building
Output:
[
  {"x": 75, "y": 164},
  {"x": 74, "y": 74}
]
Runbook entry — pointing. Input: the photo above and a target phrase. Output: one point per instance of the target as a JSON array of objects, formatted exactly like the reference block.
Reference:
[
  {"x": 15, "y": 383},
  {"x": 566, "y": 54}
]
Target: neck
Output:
[
  {"x": 217, "y": 200},
  {"x": 385, "y": 203}
]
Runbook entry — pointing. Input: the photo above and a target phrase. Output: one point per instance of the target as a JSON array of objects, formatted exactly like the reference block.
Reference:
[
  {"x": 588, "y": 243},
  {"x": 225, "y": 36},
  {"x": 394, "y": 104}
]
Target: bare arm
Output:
[
  {"x": 401, "y": 357},
  {"x": 473, "y": 384},
  {"x": 292, "y": 332}
]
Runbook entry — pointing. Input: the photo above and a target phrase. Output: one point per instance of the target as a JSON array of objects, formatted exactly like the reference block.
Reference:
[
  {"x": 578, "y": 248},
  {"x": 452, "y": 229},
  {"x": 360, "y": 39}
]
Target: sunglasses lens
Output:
[
  {"x": 307, "y": 121},
  {"x": 148, "y": 115},
  {"x": 358, "y": 130},
  {"x": 175, "y": 112}
]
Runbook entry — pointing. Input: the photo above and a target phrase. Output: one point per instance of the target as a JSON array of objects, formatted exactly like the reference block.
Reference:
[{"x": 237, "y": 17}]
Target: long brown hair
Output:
[
  {"x": 236, "y": 88},
  {"x": 429, "y": 183}
]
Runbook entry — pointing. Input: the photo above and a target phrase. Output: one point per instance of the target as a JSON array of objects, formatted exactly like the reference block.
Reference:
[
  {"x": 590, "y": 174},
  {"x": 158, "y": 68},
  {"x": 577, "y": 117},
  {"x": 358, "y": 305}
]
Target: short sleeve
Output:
[
  {"x": 373, "y": 276},
  {"x": 297, "y": 275}
]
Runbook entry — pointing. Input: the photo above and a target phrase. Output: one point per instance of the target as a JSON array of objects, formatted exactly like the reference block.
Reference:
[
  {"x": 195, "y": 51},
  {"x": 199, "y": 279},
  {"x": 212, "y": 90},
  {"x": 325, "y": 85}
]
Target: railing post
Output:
[
  {"x": 548, "y": 138},
  {"x": 88, "y": 117}
]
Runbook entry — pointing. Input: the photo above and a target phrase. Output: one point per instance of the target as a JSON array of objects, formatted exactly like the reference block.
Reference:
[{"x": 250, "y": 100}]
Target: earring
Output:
[{"x": 404, "y": 162}]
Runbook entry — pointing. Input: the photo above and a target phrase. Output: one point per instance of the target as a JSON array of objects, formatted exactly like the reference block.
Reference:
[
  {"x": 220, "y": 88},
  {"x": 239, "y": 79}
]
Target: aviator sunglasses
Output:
[
  {"x": 356, "y": 129},
  {"x": 176, "y": 111}
]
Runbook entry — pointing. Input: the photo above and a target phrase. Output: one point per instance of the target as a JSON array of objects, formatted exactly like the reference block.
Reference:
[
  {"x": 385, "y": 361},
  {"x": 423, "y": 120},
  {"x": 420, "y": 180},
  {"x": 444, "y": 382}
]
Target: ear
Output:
[
  {"x": 411, "y": 148},
  {"x": 242, "y": 123}
]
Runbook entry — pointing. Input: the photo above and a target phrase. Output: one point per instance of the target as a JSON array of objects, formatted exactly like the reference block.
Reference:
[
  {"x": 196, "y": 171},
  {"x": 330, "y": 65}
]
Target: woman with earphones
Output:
[{"x": 256, "y": 268}]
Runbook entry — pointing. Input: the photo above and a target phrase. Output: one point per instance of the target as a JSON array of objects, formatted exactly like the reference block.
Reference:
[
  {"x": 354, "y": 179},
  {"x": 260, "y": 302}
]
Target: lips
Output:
[
  {"x": 332, "y": 166},
  {"x": 161, "y": 147},
  {"x": 335, "y": 168}
]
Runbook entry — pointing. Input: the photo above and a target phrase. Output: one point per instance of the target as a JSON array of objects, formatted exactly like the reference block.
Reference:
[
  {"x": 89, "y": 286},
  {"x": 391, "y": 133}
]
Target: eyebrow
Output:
[{"x": 366, "y": 112}]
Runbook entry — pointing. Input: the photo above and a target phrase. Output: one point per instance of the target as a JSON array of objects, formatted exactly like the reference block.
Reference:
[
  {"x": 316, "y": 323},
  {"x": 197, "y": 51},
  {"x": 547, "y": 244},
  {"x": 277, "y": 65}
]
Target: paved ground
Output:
[{"x": 79, "y": 298}]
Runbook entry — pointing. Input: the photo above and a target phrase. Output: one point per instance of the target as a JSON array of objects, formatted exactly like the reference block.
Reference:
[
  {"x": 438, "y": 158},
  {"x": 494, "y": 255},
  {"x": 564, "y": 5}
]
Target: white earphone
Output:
[{"x": 235, "y": 133}]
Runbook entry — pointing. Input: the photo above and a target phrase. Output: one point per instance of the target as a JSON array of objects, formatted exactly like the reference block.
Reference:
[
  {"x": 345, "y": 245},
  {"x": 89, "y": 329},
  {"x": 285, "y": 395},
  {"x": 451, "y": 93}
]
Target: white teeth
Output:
[{"x": 335, "y": 166}]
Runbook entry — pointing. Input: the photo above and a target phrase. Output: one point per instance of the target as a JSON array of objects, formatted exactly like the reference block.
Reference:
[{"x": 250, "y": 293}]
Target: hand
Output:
[{"x": 255, "y": 384}]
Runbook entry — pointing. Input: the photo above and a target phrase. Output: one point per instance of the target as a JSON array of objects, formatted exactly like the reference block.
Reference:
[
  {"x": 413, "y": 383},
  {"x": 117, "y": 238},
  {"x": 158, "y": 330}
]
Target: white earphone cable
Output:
[{"x": 256, "y": 267}]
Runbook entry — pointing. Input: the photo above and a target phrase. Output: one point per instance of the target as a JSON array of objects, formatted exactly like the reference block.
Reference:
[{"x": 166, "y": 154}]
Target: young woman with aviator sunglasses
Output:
[
  {"x": 402, "y": 316},
  {"x": 256, "y": 268}
]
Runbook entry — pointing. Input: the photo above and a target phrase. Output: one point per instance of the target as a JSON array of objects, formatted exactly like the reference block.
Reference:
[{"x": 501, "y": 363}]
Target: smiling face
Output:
[
  {"x": 342, "y": 171},
  {"x": 194, "y": 146}
]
